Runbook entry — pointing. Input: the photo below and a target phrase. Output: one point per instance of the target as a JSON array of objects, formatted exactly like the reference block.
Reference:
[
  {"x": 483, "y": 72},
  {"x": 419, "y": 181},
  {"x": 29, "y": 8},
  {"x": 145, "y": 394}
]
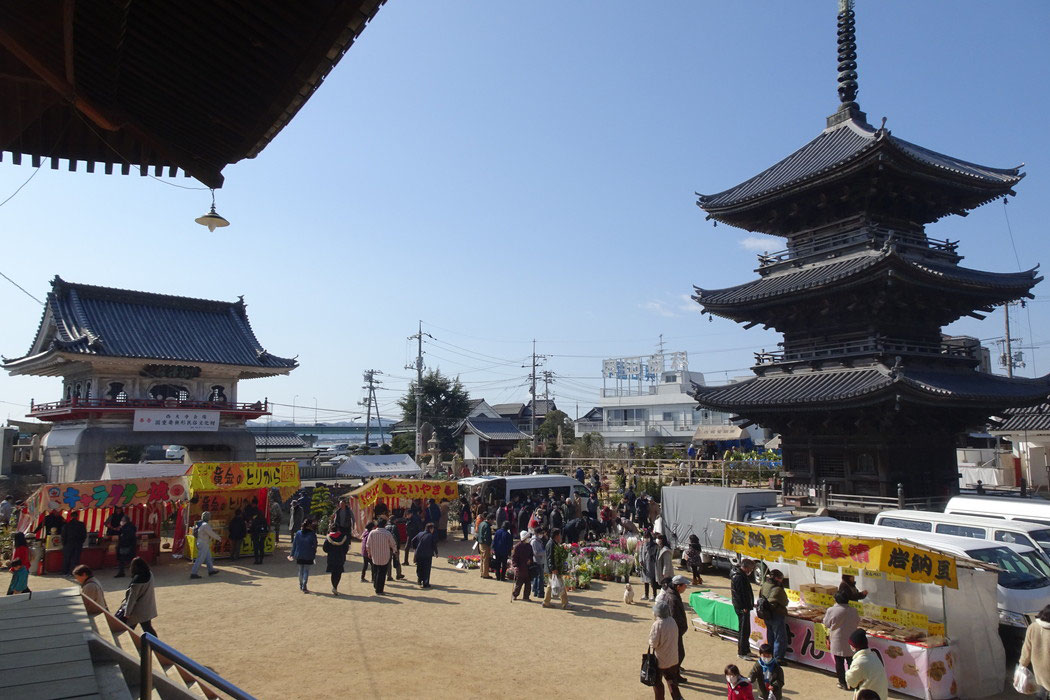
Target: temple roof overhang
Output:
[
  {"x": 842, "y": 273},
  {"x": 491, "y": 429},
  {"x": 1025, "y": 419},
  {"x": 191, "y": 86},
  {"x": 829, "y": 390},
  {"x": 847, "y": 149},
  {"x": 86, "y": 324}
]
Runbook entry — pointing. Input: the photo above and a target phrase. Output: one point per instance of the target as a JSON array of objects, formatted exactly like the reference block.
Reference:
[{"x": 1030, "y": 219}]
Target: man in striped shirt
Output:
[{"x": 381, "y": 547}]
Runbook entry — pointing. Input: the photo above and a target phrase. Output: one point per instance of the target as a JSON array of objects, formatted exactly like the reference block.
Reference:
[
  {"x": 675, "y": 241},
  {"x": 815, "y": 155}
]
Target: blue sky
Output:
[{"x": 510, "y": 171}]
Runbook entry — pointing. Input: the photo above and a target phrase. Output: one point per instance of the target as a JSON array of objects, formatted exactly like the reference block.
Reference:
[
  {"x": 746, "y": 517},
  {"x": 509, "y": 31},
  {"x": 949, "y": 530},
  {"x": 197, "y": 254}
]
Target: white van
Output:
[
  {"x": 1030, "y": 510},
  {"x": 1023, "y": 588},
  {"x": 535, "y": 486},
  {"x": 1020, "y": 532}
]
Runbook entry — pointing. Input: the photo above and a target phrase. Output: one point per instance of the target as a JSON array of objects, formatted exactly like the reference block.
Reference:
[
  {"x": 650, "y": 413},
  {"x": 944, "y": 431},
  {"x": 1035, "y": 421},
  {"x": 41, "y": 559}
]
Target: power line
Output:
[{"x": 22, "y": 288}]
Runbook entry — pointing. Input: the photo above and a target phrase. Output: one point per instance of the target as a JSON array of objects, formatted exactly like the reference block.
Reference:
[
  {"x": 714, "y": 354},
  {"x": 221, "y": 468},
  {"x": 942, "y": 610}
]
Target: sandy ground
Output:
[{"x": 464, "y": 638}]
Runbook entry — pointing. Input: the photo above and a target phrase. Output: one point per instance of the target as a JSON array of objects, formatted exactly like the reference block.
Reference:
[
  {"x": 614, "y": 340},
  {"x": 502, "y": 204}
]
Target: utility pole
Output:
[
  {"x": 370, "y": 377},
  {"x": 548, "y": 379},
  {"x": 532, "y": 393},
  {"x": 1009, "y": 348},
  {"x": 419, "y": 386}
]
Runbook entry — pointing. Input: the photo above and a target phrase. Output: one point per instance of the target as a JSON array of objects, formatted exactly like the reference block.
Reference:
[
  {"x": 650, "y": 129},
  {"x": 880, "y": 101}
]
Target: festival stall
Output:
[
  {"x": 395, "y": 493},
  {"x": 221, "y": 488},
  {"x": 375, "y": 466},
  {"x": 931, "y": 616},
  {"x": 147, "y": 502}
]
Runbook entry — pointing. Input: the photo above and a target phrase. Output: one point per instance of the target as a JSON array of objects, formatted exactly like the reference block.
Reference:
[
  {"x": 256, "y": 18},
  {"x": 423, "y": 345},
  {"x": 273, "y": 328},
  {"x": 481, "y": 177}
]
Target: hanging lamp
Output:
[{"x": 212, "y": 219}]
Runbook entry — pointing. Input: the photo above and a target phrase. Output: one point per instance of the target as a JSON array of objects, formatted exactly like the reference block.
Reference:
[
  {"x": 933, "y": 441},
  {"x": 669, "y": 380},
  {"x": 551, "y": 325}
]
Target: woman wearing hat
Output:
[
  {"x": 336, "y": 545},
  {"x": 523, "y": 563}
]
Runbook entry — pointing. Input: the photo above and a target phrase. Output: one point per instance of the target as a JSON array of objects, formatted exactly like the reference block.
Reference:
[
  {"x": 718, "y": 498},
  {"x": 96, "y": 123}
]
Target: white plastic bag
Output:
[
  {"x": 556, "y": 586},
  {"x": 772, "y": 695},
  {"x": 1024, "y": 682}
]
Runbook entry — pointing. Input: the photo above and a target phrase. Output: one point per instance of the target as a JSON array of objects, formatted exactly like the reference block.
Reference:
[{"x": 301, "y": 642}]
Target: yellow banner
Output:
[
  {"x": 831, "y": 552},
  {"x": 236, "y": 476},
  {"x": 918, "y": 564},
  {"x": 406, "y": 488}
]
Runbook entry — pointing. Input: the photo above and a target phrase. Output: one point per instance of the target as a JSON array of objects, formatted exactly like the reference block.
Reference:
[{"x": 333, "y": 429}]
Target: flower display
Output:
[{"x": 470, "y": 561}]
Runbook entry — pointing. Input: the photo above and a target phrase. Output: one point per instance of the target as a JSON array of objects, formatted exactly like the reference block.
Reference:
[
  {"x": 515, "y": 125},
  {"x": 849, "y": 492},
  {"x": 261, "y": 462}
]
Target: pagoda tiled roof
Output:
[
  {"x": 102, "y": 321},
  {"x": 492, "y": 429},
  {"x": 855, "y": 268},
  {"x": 827, "y": 388},
  {"x": 839, "y": 146}
]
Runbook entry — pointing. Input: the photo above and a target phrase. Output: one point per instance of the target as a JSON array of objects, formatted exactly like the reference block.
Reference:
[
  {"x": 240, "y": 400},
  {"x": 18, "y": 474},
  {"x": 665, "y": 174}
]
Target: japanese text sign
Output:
[
  {"x": 181, "y": 420},
  {"x": 831, "y": 551},
  {"x": 406, "y": 488},
  {"x": 81, "y": 495},
  {"x": 232, "y": 476}
]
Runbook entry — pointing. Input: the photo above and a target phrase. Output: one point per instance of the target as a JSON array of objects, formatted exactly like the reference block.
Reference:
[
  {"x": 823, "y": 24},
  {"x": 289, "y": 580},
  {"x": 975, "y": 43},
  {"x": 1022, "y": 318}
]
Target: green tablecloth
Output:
[{"x": 714, "y": 611}]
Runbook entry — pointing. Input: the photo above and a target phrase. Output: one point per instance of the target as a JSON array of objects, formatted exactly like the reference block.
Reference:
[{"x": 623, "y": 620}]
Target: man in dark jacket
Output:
[
  {"x": 743, "y": 602},
  {"x": 74, "y": 534},
  {"x": 415, "y": 526},
  {"x": 675, "y": 587},
  {"x": 501, "y": 546},
  {"x": 258, "y": 530},
  {"x": 237, "y": 530},
  {"x": 426, "y": 549},
  {"x": 433, "y": 512}
]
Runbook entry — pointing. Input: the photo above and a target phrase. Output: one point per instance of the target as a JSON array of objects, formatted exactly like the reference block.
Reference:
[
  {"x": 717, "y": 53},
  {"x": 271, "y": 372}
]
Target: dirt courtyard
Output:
[{"x": 463, "y": 638}]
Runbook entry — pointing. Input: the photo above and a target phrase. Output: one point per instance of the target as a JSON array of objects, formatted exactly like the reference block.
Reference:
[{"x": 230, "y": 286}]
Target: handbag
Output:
[
  {"x": 534, "y": 570},
  {"x": 650, "y": 673}
]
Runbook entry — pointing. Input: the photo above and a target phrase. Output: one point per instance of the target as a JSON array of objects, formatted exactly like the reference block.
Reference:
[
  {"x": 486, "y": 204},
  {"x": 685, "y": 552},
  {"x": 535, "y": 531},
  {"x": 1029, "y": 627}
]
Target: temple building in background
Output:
[
  {"x": 144, "y": 369},
  {"x": 865, "y": 390}
]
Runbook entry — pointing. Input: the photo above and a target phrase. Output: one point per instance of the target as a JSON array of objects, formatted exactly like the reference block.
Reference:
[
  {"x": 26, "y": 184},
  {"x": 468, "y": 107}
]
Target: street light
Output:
[{"x": 293, "y": 408}]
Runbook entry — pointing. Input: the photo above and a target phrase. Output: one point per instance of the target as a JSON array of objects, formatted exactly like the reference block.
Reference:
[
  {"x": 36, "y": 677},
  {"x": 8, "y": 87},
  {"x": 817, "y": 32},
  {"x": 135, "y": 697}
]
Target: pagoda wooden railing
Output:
[
  {"x": 836, "y": 242},
  {"x": 877, "y": 345},
  {"x": 130, "y": 404}
]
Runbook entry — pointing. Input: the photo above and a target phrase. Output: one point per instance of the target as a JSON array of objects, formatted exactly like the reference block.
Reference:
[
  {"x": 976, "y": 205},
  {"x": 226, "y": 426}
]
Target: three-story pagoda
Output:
[{"x": 866, "y": 392}]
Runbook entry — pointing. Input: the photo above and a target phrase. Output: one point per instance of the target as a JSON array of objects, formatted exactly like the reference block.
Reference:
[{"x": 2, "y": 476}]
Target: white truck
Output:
[{"x": 701, "y": 510}]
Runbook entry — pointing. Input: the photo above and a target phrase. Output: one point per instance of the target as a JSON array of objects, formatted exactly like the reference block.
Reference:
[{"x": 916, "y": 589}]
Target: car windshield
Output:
[
  {"x": 1038, "y": 562},
  {"x": 1016, "y": 572}
]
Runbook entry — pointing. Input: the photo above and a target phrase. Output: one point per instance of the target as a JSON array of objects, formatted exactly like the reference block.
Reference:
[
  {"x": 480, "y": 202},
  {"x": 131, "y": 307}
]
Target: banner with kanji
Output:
[
  {"x": 82, "y": 495},
  {"x": 232, "y": 476},
  {"x": 405, "y": 488},
  {"x": 833, "y": 551}
]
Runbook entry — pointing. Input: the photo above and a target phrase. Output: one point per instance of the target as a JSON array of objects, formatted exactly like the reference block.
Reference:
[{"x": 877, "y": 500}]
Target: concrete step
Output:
[{"x": 111, "y": 683}]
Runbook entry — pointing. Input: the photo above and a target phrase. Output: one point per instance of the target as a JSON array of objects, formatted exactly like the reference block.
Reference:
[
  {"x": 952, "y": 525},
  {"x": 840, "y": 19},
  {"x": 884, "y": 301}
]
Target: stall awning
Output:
[
  {"x": 379, "y": 465},
  {"x": 773, "y": 443},
  {"x": 719, "y": 432},
  {"x": 143, "y": 470}
]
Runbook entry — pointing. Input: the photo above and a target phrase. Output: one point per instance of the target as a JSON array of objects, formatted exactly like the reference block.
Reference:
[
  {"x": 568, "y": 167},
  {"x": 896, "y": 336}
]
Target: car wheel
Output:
[{"x": 759, "y": 574}]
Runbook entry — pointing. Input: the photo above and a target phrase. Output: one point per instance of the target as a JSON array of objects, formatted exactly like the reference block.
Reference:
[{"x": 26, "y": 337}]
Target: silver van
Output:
[{"x": 1021, "y": 532}]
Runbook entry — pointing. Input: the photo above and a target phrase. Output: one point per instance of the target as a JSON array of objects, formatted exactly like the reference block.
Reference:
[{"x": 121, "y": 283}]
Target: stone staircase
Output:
[{"x": 116, "y": 653}]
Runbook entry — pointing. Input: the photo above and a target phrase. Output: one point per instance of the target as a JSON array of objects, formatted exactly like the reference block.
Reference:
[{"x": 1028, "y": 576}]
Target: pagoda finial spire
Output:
[
  {"x": 847, "y": 54},
  {"x": 847, "y": 41}
]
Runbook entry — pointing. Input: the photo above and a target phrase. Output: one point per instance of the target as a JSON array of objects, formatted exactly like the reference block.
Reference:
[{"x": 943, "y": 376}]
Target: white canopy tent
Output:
[
  {"x": 379, "y": 465},
  {"x": 143, "y": 470}
]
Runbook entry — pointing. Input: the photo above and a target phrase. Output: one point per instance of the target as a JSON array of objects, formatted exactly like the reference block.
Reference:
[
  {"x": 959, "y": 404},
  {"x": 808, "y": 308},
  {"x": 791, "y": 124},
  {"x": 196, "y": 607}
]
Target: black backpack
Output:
[{"x": 763, "y": 608}]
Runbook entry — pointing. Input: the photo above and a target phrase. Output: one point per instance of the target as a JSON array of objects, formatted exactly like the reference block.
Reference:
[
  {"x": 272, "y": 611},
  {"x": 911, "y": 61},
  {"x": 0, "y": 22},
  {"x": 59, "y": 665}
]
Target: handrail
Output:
[
  {"x": 149, "y": 642},
  {"x": 147, "y": 403},
  {"x": 169, "y": 655},
  {"x": 877, "y": 344},
  {"x": 844, "y": 239}
]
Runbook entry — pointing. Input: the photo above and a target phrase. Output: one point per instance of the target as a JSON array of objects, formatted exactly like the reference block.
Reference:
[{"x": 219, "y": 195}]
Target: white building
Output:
[{"x": 646, "y": 401}]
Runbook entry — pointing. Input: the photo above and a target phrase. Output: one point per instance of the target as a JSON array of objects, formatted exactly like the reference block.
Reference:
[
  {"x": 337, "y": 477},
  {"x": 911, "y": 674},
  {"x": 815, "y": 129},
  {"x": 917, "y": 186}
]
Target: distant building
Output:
[
  {"x": 142, "y": 369},
  {"x": 646, "y": 401}
]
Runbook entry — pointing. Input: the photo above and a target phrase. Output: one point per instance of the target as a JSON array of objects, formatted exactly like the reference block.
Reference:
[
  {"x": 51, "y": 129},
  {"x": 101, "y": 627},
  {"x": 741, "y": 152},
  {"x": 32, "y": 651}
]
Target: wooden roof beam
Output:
[{"x": 107, "y": 120}]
